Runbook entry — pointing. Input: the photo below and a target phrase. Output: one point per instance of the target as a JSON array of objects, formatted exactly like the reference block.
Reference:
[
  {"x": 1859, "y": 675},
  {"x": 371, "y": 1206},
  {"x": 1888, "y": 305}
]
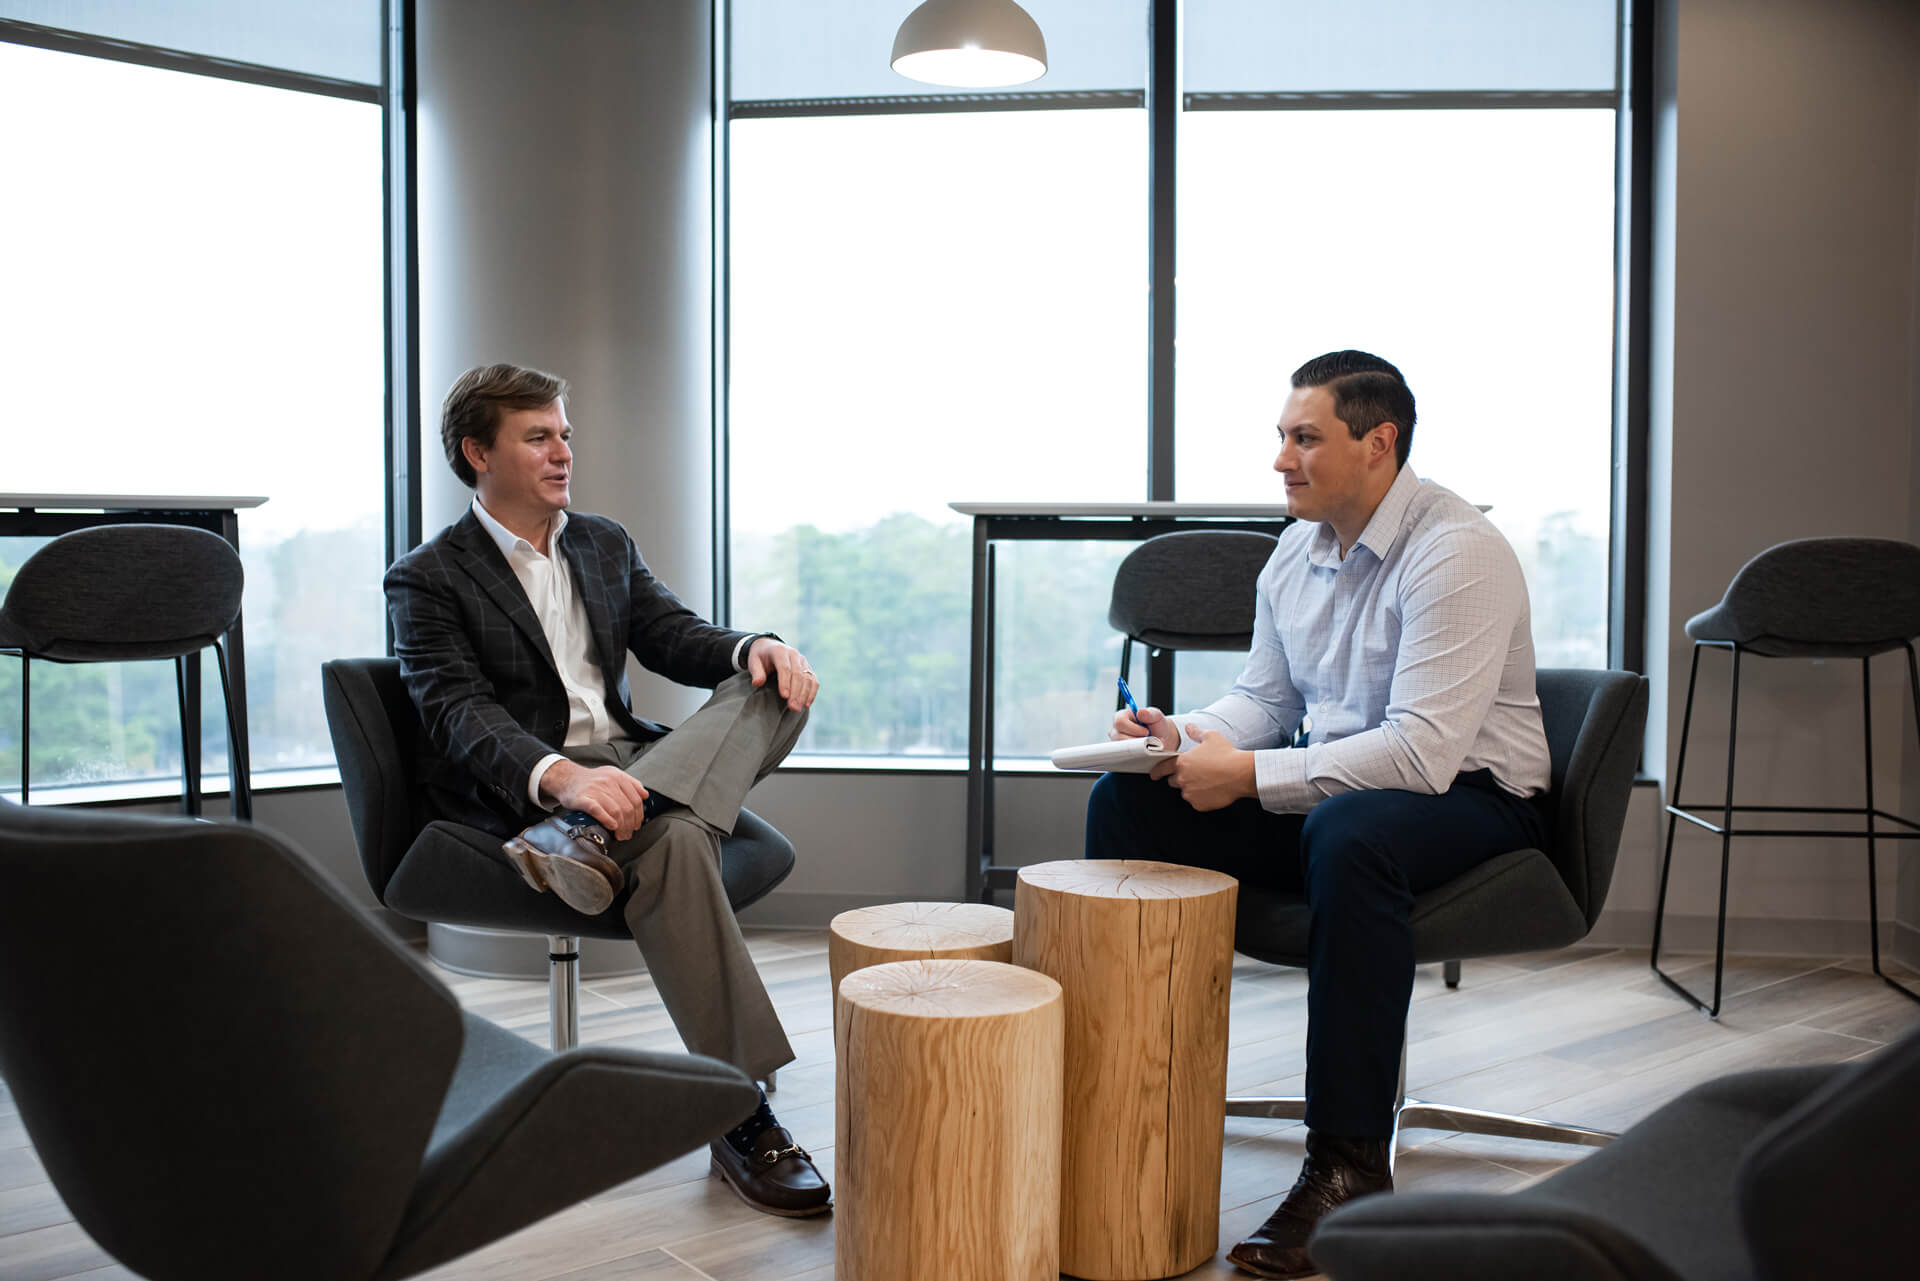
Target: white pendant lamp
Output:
[{"x": 970, "y": 44}]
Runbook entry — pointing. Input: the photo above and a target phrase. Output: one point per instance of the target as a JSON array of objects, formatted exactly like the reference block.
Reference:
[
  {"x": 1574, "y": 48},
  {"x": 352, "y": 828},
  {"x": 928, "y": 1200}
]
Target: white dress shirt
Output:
[
  {"x": 549, "y": 587},
  {"x": 1414, "y": 656}
]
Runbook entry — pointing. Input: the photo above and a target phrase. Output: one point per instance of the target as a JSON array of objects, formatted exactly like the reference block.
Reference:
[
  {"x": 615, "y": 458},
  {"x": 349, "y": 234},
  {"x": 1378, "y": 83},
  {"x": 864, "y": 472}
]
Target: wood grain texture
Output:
[
  {"x": 1144, "y": 956},
  {"x": 917, "y": 931},
  {"x": 947, "y": 1107}
]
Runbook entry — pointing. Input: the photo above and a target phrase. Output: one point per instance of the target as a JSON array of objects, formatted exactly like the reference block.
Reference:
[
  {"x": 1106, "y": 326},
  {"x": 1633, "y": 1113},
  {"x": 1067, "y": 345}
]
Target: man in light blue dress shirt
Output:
[{"x": 1394, "y": 615}]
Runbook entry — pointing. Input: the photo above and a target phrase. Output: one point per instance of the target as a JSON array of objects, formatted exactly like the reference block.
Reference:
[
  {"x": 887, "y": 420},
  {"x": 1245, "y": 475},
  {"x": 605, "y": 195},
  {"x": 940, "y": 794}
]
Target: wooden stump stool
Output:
[
  {"x": 1144, "y": 956},
  {"x": 917, "y": 932},
  {"x": 946, "y": 1123}
]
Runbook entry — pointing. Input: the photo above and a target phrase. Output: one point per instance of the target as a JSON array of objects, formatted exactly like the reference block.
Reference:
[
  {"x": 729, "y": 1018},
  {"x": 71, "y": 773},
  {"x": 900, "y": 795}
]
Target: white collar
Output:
[{"x": 509, "y": 541}]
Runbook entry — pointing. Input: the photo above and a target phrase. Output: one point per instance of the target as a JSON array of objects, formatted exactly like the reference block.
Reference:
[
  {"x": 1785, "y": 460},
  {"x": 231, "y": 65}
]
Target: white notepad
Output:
[{"x": 1118, "y": 756}]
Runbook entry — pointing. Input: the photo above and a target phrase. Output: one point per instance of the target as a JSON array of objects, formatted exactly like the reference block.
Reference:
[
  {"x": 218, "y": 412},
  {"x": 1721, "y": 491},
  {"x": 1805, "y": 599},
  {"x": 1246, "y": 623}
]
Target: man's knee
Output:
[
  {"x": 683, "y": 843},
  {"x": 1340, "y": 845}
]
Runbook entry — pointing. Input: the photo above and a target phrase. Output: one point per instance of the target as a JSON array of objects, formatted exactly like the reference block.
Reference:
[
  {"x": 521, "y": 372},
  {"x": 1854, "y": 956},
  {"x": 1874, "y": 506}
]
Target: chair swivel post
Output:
[{"x": 563, "y": 991}]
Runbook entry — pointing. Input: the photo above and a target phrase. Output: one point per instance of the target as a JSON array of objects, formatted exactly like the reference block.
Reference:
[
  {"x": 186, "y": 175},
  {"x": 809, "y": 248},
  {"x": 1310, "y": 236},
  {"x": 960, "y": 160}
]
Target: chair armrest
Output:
[
  {"x": 1465, "y": 1237},
  {"x": 574, "y": 1125}
]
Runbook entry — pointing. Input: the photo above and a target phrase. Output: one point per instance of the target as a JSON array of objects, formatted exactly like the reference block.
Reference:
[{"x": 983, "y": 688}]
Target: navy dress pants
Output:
[{"x": 1360, "y": 858}]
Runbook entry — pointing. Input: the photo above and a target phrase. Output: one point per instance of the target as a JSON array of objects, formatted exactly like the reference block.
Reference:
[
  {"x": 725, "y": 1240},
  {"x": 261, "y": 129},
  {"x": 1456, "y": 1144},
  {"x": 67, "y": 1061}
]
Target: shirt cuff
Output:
[
  {"x": 740, "y": 650},
  {"x": 1280, "y": 777},
  {"x": 540, "y": 769},
  {"x": 1206, "y": 721}
]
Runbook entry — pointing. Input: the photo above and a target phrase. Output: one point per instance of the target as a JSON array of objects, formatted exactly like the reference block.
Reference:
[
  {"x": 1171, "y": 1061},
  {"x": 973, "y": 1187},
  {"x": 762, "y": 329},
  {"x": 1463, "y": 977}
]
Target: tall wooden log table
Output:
[
  {"x": 1144, "y": 956},
  {"x": 946, "y": 1123}
]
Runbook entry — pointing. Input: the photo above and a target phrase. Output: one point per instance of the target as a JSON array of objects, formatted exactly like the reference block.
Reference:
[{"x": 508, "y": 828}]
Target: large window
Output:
[
  {"x": 928, "y": 309},
  {"x": 193, "y": 285},
  {"x": 929, "y": 303},
  {"x": 1474, "y": 249}
]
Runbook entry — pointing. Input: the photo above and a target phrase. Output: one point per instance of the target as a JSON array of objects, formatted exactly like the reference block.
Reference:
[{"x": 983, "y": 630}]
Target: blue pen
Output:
[{"x": 1128, "y": 695}]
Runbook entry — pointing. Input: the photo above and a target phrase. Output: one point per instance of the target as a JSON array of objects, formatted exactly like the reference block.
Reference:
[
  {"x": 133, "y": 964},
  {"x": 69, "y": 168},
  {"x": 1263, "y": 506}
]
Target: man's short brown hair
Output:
[{"x": 473, "y": 407}]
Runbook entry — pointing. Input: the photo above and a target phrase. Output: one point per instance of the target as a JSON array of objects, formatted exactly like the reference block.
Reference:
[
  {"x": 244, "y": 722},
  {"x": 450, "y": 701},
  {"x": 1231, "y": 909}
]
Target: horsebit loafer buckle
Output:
[{"x": 589, "y": 833}]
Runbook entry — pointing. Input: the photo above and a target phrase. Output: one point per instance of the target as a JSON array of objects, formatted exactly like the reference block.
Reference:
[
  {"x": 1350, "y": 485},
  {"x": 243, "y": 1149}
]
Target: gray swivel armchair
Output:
[
  {"x": 1809, "y": 598},
  {"x": 429, "y": 869},
  {"x": 1779, "y": 1175},
  {"x": 240, "y": 1075},
  {"x": 126, "y": 593},
  {"x": 1522, "y": 901}
]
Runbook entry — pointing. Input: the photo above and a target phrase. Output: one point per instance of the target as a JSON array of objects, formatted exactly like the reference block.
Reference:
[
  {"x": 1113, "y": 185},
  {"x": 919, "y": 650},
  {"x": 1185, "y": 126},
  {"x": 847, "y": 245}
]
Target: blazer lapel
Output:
[
  {"x": 480, "y": 557},
  {"x": 583, "y": 562}
]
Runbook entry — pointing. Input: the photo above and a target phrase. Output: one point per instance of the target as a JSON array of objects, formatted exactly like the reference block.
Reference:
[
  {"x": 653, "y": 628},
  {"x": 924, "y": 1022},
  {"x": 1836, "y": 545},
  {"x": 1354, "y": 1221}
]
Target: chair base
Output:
[
  {"x": 1423, "y": 1114},
  {"x": 563, "y": 997}
]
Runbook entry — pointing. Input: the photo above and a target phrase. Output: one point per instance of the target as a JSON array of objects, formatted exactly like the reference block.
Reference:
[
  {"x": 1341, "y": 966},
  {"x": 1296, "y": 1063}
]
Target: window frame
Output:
[{"x": 1165, "y": 102}]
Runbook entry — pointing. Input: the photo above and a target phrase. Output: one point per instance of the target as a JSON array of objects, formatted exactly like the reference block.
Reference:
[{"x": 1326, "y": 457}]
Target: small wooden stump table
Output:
[
  {"x": 947, "y": 1123},
  {"x": 917, "y": 932},
  {"x": 1144, "y": 956}
]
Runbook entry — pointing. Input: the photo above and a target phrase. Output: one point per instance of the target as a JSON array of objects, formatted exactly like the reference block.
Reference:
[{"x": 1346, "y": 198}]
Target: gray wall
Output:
[
  {"x": 1786, "y": 294},
  {"x": 565, "y": 224}
]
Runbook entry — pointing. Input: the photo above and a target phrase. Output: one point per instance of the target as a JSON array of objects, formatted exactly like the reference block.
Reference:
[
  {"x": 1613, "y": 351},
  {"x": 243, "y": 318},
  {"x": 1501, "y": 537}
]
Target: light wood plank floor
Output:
[{"x": 1585, "y": 1035}]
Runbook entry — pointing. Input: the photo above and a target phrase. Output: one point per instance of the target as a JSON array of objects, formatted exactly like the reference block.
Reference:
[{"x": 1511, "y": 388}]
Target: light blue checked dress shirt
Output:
[{"x": 1414, "y": 657}]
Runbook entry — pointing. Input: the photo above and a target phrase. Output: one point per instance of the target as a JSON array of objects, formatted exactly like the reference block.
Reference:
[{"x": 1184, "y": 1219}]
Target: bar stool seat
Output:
[{"x": 1808, "y": 598}]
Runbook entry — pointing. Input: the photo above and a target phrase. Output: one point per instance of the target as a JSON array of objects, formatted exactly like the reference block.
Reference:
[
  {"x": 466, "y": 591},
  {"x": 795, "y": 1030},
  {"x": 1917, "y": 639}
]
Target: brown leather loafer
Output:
[
  {"x": 1336, "y": 1171},
  {"x": 567, "y": 853},
  {"x": 774, "y": 1175}
]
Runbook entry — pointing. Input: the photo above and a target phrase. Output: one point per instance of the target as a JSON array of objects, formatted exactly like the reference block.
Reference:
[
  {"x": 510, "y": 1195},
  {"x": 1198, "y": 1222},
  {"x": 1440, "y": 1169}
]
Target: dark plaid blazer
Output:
[{"x": 478, "y": 665}]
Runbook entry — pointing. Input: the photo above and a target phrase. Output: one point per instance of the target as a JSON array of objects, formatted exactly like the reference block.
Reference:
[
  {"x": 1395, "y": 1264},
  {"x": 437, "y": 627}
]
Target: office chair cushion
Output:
[
  {"x": 506, "y": 1150},
  {"x": 1514, "y": 902},
  {"x": 118, "y": 593},
  {"x": 1657, "y": 1204},
  {"x": 457, "y": 875},
  {"x": 1820, "y": 598},
  {"x": 1190, "y": 590},
  {"x": 1830, "y": 1189}
]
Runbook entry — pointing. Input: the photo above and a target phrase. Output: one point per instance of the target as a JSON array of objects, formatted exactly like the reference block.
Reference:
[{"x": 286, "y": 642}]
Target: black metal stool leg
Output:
[
  {"x": 26, "y": 722},
  {"x": 1666, "y": 862},
  {"x": 1873, "y": 888},
  {"x": 1726, "y": 837},
  {"x": 186, "y": 679},
  {"x": 239, "y": 767}
]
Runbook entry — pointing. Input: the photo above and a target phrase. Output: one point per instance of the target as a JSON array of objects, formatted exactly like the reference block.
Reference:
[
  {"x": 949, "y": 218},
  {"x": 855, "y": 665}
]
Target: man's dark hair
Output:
[
  {"x": 473, "y": 407},
  {"x": 1367, "y": 391}
]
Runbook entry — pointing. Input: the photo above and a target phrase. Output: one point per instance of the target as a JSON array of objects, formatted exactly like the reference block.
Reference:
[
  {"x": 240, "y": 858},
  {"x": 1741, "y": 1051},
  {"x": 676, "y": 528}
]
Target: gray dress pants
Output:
[{"x": 678, "y": 909}]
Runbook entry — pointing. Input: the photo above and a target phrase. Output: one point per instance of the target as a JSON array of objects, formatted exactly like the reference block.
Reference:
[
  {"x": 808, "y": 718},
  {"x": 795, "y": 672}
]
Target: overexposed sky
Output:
[
  {"x": 193, "y": 289},
  {"x": 936, "y": 307}
]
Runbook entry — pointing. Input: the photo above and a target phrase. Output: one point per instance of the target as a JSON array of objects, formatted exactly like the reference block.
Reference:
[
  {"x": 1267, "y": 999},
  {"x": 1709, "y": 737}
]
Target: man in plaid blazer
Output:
[{"x": 512, "y": 626}]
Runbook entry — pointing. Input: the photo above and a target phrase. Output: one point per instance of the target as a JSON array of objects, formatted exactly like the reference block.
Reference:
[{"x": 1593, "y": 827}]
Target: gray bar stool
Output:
[
  {"x": 1809, "y": 598},
  {"x": 127, "y": 593}
]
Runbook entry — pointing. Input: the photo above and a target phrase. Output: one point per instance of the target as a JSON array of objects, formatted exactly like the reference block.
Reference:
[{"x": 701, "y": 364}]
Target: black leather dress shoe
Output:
[
  {"x": 1336, "y": 1171},
  {"x": 759, "y": 1160},
  {"x": 567, "y": 853}
]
